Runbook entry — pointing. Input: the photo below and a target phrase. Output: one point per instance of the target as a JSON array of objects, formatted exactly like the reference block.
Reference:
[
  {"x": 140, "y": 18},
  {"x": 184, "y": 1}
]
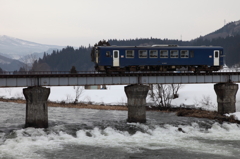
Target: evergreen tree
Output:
[{"x": 1, "y": 71}]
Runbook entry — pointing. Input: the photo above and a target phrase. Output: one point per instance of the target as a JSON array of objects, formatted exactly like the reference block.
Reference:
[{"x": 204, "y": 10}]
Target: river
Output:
[{"x": 105, "y": 134}]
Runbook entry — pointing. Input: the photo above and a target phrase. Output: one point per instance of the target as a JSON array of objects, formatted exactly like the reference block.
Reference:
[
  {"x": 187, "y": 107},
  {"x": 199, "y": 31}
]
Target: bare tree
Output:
[
  {"x": 236, "y": 67},
  {"x": 206, "y": 103},
  {"x": 175, "y": 88},
  {"x": 206, "y": 100},
  {"x": 163, "y": 94},
  {"x": 78, "y": 92},
  {"x": 9, "y": 91},
  {"x": 31, "y": 64},
  {"x": 68, "y": 98},
  {"x": 28, "y": 61},
  {"x": 160, "y": 94},
  {"x": 196, "y": 102},
  {"x": 40, "y": 67},
  {"x": 88, "y": 100}
]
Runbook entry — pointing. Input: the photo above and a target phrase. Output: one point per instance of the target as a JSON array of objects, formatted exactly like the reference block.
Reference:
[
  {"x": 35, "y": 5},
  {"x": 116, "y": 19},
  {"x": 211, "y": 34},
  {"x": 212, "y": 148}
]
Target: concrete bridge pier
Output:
[
  {"x": 36, "y": 106},
  {"x": 226, "y": 97},
  {"x": 136, "y": 95}
]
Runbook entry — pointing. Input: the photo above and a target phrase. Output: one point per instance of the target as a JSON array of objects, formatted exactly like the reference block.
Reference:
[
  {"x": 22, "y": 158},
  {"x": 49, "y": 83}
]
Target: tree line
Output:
[
  {"x": 231, "y": 45},
  {"x": 63, "y": 60},
  {"x": 80, "y": 58}
]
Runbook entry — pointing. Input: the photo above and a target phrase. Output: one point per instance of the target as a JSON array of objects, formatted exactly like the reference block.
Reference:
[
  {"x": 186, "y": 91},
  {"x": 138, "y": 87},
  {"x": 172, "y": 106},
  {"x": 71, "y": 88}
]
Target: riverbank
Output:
[
  {"x": 70, "y": 105},
  {"x": 186, "y": 112}
]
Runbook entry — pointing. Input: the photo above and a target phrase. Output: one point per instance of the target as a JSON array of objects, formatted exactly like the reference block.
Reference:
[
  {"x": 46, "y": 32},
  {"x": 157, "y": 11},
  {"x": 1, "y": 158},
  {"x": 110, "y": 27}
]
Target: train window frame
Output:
[
  {"x": 129, "y": 51},
  {"x": 172, "y": 55},
  {"x": 140, "y": 55},
  {"x": 108, "y": 53},
  {"x": 152, "y": 55},
  {"x": 163, "y": 55},
  {"x": 184, "y": 53}
]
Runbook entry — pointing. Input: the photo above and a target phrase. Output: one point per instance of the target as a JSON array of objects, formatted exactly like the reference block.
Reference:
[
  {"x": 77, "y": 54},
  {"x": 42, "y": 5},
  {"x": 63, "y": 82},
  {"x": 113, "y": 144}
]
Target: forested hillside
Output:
[
  {"x": 230, "y": 29},
  {"x": 64, "y": 60},
  {"x": 80, "y": 58}
]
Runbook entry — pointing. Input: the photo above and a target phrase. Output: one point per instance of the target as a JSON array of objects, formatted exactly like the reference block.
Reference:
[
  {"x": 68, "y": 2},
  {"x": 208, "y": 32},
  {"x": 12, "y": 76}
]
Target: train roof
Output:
[{"x": 160, "y": 46}]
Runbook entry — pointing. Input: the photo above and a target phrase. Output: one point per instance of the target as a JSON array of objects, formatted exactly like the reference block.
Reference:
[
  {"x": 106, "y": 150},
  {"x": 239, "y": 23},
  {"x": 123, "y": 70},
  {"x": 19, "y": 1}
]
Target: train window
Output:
[
  {"x": 163, "y": 54},
  {"x": 129, "y": 53},
  {"x": 142, "y": 53},
  {"x": 153, "y": 54},
  {"x": 108, "y": 54},
  {"x": 192, "y": 54},
  {"x": 184, "y": 54},
  {"x": 97, "y": 54},
  {"x": 174, "y": 53},
  {"x": 115, "y": 54},
  {"x": 216, "y": 54}
]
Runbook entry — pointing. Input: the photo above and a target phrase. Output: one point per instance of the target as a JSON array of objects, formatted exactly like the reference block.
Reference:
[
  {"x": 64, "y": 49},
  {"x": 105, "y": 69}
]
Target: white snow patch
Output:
[
  {"x": 4, "y": 62},
  {"x": 236, "y": 115},
  {"x": 189, "y": 95}
]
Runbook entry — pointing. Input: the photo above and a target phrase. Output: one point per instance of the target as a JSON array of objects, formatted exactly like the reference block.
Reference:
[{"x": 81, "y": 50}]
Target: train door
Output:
[
  {"x": 96, "y": 53},
  {"x": 115, "y": 57},
  {"x": 216, "y": 58}
]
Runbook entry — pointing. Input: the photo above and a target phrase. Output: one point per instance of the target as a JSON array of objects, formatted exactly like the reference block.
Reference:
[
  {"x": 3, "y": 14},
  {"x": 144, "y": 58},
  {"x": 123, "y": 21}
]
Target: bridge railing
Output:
[
  {"x": 48, "y": 72},
  {"x": 94, "y": 72}
]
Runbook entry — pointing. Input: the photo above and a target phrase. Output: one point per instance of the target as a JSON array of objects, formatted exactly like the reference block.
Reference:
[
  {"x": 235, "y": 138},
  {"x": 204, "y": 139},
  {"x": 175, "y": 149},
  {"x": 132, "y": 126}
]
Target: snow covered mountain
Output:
[
  {"x": 17, "y": 48},
  {"x": 230, "y": 29}
]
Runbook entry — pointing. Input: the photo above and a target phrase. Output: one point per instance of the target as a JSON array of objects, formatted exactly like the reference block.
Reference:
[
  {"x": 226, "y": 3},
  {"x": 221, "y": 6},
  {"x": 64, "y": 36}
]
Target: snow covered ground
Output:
[{"x": 189, "y": 94}]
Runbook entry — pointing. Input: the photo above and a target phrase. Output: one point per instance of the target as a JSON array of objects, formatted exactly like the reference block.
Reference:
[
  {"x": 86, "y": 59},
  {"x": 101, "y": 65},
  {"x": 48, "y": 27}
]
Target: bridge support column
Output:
[
  {"x": 136, "y": 95},
  {"x": 226, "y": 97},
  {"x": 36, "y": 106}
]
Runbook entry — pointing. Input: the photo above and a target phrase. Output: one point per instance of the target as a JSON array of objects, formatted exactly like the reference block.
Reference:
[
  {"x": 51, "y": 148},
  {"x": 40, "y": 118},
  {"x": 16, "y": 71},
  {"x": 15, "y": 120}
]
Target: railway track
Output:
[{"x": 103, "y": 74}]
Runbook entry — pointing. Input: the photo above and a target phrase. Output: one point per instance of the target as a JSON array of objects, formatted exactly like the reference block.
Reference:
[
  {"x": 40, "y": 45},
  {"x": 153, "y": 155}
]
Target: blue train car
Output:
[{"x": 158, "y": 58}]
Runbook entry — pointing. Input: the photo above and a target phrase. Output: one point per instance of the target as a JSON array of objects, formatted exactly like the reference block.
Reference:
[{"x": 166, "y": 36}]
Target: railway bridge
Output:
[{"x": 136, "y": 90}]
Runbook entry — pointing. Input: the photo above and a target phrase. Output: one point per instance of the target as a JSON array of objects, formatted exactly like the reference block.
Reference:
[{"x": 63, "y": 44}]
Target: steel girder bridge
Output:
[
  {"x": 37, "y": 95},
  {"x": 29, "y": 79}
]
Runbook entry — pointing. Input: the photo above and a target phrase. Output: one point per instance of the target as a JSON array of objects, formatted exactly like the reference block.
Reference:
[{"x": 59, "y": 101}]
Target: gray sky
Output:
[{"x": 83, "y": 22}]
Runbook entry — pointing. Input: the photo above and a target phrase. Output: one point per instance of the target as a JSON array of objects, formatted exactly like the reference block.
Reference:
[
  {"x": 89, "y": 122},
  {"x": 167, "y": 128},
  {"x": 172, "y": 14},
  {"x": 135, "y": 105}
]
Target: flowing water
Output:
[{"x": 102, "y": 134}]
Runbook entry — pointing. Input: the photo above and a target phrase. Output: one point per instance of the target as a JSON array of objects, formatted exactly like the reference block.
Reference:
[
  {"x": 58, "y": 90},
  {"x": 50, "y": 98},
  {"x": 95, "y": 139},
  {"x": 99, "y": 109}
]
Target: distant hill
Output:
[
  {"x": 230, "y": 29},
  {"x": 64, "y": 59},
  {"x": 8, "y": 64},
  {"x": 17, "y": 48}
]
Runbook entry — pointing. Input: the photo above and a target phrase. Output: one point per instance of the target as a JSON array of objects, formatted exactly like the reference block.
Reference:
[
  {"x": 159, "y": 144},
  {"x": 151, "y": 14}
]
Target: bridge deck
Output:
[{"x": 27, "y": 79}]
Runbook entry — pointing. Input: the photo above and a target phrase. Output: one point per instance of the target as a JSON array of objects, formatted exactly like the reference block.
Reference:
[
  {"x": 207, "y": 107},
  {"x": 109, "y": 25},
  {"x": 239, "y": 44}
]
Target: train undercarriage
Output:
[{"x": 194, "y": 69}]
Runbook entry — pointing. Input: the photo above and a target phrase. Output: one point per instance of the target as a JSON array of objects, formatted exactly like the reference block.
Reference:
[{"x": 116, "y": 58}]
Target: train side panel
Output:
[{"x": 120, "y": 57}]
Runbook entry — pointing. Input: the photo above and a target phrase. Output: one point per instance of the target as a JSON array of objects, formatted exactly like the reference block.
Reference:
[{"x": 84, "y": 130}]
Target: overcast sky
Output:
[{"x": 83, "y": 22}]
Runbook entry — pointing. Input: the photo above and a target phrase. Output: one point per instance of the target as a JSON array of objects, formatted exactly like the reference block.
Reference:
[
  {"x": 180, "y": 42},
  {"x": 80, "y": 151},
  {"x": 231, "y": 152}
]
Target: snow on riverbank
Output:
[
  {"x": 189, "y": 94},
  {"x": 236, "y": 115}
]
